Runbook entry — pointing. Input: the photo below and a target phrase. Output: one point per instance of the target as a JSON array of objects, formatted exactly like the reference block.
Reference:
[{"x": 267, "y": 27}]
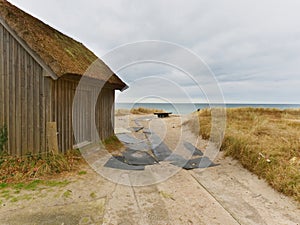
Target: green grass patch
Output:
[
  {"x": 53, "y": 183},
  {"x": 83, "y": 172},
  {"x": 67, "y": 194},
  {"x": 33, "y": 185},
  {"x": 93, "y": 195},
  {"x": 3, "y": 185},
  {"x": 14, "y": 199}
]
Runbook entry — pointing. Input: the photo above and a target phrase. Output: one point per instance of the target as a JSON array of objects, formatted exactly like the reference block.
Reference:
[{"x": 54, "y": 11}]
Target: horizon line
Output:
[{"x": 226, "y": 103}]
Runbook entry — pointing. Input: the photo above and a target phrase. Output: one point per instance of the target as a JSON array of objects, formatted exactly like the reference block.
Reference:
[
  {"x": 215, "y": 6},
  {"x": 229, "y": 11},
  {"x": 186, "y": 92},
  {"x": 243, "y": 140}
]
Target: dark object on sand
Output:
[
  {"x": 119, "y": 162},
  {"x": 134, "y": 157},
  {"x": 201, "y": 162},
  {"x": 195, "y": 151},
  {"x": 163, "y": 115}
]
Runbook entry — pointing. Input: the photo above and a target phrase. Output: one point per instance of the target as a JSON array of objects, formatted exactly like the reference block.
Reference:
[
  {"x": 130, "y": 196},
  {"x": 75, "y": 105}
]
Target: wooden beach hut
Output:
[{"x": 40, "y": 69}]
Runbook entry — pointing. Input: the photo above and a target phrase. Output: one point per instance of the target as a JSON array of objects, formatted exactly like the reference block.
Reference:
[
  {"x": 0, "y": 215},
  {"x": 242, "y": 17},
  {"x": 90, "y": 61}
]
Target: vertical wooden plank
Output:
[
  {"x": 47, "y": 109},
  {"x": 36, "y": 111},
  {"x": 30, "y": 105},
  {"x": 74, "y": 114},
  {"x": 70, "y": 102},
  {"x": 3, "y": 89},
  {"x": 66, "y": 113},
  {"x": 12, "y": 93},
  {"x": 42, "y": 111},
  {"x": 67, "y": 139},
  {"x": 62, "y": 108},
  {"x": 24, "y": 105},
  {"x": 7, "y": 90},
  {"x": 57, "y": 119},
  {"x": 63, "y": 116},
  {"x": 54, "y": 102},
  {"x": 18, "y": 103},
  {"x": 48, "y": 83},
  {"x": 4, "y": 80},
  {"x": 1, "y": 76},
  {"x": 59, "y": 113}
]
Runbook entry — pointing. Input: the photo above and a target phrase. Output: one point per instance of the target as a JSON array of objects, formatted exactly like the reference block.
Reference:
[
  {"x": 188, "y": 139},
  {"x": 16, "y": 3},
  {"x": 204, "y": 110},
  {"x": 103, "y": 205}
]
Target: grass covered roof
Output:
[{"x": 62, "y": 54}]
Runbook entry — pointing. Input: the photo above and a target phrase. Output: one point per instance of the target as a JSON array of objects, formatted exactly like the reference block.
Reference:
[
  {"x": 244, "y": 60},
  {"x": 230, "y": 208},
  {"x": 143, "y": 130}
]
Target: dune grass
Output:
[
  {"x": 265, "y": 141},
  {"x": 141, "y": 110},
  {"x": 31, "y": 167}
]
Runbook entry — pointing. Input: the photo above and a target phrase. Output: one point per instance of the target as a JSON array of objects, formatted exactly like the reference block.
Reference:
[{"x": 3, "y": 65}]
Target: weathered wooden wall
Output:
[
  {"x": 105, "y": 112},
  {"x": 23, "y": 97},
  {"x": 28, "y": 100},
  {"x": 78, "y": 124}
]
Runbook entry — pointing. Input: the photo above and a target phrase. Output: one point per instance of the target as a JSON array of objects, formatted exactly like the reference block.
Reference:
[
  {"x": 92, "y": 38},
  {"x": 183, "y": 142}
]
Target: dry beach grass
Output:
[
  {"x": 265, "y": 141},
  {"x": 141, "y": 110}
]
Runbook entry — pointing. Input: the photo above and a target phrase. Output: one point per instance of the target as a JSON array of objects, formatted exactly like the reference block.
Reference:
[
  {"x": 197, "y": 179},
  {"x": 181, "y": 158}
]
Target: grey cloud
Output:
[{"x": 251, "y": 46}]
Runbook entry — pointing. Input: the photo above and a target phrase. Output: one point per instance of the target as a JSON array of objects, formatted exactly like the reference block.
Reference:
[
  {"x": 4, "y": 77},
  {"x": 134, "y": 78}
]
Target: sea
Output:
[{"x": 186, "y": 108}]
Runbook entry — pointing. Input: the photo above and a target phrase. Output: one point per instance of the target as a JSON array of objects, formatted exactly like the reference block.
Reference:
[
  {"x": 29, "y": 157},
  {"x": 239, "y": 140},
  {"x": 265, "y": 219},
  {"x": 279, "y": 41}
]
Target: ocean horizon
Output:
[{"x": 186, "y": 108}]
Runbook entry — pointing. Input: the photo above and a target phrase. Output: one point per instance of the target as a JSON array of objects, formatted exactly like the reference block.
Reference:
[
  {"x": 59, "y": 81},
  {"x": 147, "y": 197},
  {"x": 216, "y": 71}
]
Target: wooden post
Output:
[{"x": 52, "y": 137}]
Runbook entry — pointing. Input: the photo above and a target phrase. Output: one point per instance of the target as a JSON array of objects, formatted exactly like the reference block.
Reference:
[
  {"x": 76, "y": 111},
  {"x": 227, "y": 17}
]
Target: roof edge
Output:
[
  {"x": 35, "y": 56},
  {"x": 121, "y": 87}
]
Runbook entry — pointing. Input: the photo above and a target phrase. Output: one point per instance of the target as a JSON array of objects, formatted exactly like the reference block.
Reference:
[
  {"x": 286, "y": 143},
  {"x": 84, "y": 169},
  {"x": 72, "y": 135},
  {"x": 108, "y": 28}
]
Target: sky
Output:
[{"x": 251, "y": 48}]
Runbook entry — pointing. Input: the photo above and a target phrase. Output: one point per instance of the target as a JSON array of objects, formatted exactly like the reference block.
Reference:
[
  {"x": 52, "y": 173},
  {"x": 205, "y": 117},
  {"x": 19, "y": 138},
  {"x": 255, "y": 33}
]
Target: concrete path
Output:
[{"x": 226, "y": 194}]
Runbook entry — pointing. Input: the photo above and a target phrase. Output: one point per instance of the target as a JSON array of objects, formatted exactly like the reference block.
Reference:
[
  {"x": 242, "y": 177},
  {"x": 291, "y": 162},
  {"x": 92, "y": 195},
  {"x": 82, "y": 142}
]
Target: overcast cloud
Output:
[{"x": 252, "y": 46}]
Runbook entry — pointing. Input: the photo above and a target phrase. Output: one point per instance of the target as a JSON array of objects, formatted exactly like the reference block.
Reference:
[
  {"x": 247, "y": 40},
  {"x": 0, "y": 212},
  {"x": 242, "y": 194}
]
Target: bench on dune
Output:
[{"x": 162, "y": 114}]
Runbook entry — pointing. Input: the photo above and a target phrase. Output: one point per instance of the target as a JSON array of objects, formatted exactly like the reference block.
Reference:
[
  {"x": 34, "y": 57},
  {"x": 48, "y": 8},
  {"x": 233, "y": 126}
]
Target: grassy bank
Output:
[
  {"x": 265, "y": 141},
  {"x": 32, "y": 167},
  {"x": 141, "y": 110}
]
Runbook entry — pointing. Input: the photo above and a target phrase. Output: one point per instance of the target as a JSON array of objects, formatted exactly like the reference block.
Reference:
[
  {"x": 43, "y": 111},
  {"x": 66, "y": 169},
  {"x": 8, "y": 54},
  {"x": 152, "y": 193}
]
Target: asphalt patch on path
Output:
[
  {"x": 119, "y": 162},
  {"x": 135, "y": 157},
  {"x": 162, "y": 152},
  {"x": 196, "y": 163},
  {"x": 191, "y": 148}
]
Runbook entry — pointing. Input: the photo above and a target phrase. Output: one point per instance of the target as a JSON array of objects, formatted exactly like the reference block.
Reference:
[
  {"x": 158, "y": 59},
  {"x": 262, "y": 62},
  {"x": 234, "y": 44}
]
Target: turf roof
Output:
[{"x": 62, "y": 54}]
